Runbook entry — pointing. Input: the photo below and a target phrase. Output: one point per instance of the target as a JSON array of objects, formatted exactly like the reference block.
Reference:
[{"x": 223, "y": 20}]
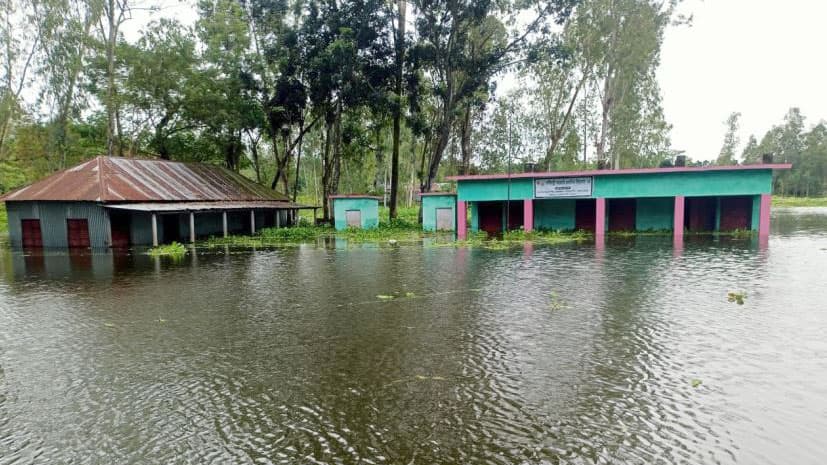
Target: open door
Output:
[
  {"x": 585, "y": 211},
  {"x": 119, "y": 225},
  {"x": 490, "y": 216}
]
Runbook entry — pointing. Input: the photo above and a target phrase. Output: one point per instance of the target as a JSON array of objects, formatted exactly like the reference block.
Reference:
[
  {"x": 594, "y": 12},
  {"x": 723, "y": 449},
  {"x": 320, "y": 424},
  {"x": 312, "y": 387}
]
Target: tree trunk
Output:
[
  {"x": 465, "y": 142},
  {"x": 379, "y": 174},
  {"x": 298, "y": 166},
  {"x": 110, "y": 79},
  {"x": 604, "y": 125},
  {"x": 442, "y": 140},
  {"x": 327, "y": 171},
  {"x": 397, "y": 114}
]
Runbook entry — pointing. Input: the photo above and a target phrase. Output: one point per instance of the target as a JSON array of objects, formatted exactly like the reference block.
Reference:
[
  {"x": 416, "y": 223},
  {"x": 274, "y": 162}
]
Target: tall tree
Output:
[
  {"x": 447, "y": 29},
  {"x": 399, "y": 71},
  {"x": 731, "y": 140}
]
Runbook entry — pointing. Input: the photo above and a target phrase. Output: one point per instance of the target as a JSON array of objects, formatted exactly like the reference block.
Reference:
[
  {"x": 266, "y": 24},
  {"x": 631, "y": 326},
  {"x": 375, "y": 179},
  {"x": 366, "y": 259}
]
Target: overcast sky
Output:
[{"x": 757, "y": 57}]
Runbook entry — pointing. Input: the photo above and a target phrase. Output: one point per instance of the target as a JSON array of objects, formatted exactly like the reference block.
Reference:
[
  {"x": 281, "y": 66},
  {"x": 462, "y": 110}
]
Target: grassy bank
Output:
[{"x": 778, "y": 201}]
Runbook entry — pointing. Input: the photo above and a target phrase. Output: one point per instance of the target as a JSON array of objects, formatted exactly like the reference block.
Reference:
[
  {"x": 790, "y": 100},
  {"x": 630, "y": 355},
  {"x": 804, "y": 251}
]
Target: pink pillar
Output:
[
  {"x": 764, "y": 216},
  {"x": 528, "y": 215},
  {"x": 677, "y": 222},
  {"x": 600, "y": 219},
  {"x": 462, "y": 220}
]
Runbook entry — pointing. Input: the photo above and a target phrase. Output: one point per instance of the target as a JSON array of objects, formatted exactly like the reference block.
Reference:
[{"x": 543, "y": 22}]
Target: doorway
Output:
[
  {"x": 32, "y": 237},
  {"x": 77, "y": 233},
  {"x": 490, "y": 217},
  {"x": 119, "y": 226},
  {"x": 622, "y": 214},
  {"x": 584, "y": 214}
]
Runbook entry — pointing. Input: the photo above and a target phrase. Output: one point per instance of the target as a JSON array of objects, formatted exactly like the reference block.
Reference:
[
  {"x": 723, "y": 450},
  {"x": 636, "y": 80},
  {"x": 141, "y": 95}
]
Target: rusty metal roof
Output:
[
  {"x": 176, "y": 207},
  {"x": 116, "y": 180}
]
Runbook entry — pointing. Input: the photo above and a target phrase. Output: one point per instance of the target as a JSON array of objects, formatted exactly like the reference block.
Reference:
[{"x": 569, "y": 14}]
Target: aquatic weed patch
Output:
[{"x": 174, "y": 250}]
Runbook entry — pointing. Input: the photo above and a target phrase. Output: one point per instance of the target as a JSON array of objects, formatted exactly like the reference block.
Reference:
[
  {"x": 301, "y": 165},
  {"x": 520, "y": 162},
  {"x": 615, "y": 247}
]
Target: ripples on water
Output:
[{"x": 546, "y": 355}]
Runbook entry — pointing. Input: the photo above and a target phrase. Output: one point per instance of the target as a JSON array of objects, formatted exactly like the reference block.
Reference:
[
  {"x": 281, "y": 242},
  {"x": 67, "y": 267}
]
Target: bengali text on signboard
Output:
[{"x": 563, "y": 187}]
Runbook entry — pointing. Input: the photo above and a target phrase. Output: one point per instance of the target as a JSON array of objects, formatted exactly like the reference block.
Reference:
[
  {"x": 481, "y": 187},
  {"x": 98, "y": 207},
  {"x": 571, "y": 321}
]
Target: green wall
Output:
[
  {"x": 756, "y": 212},
  {"x": 495, "y": 189},
  {"x": 368, "y": 207},
  {"x": 430, "y": 204},
  {"x": 654, "y": 214},
  {"x": 690, "y": 184},
  {"x": 475, "y": 219},
  {"x": 556, "y": 214}
]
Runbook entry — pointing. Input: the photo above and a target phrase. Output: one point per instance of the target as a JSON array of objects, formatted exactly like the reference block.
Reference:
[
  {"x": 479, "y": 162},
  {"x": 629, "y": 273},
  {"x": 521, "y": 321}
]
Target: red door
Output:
[
  {"x": 31, "y": 233},
  {"x": 585, "y": 211},
  {"x": 700, "y": 214},
  {"x": 622, "y": 214},
  {"x": 736, "y": 213},
  {"x": 77, "y": 231}
]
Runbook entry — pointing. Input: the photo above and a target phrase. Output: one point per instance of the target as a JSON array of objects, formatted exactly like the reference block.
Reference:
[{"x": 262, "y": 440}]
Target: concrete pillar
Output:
[
  {"x": 224, "y": 222},
  {"x": 192, "y": 227},
  {"x": 278, "y": 218},
  {"x": 677, "y": 221},
  {"x": 764, "y": 216},
  {"x": 154, "y": 230},
  {"x": 462, "y": 220},
  {"x": 600, "y": 219},
  {"x": 528, "y": 215},
  {"x": 252, "y": 222}
]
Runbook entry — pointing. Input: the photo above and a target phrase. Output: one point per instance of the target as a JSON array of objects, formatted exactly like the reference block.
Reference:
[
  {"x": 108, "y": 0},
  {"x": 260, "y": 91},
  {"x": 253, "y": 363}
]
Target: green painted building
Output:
[
  {"x": 355, "y": 211},
  {"x": 439, "y": 211},
  {"x": 711, "y": 198}
]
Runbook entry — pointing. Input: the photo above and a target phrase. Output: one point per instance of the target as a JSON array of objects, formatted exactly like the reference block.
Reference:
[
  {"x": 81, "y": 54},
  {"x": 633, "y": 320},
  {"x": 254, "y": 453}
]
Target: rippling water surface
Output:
[{"x": 565, "y": 354}]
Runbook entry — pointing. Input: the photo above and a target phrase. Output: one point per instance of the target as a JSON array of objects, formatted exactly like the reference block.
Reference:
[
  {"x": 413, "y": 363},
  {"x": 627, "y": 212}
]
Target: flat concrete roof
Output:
[{"x": 572, "y": 174}]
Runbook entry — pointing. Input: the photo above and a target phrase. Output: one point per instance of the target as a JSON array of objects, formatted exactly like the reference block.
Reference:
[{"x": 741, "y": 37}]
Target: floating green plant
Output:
[
  {"x": 696, "y": 383},
  {"x": 385, "y": 297},
  {"x": 174, "y": 250},
  {"x": 737, "y": 297},
  {"x": 556, "y": 302}
]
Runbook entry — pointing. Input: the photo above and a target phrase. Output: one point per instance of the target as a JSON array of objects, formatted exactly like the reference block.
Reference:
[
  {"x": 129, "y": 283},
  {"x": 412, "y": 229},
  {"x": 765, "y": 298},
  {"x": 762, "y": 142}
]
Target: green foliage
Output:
[
  {"x": 173, "y": 250},
  {"x": 731, "y": 141},
  {"x": 4, "y": 219},
  {"x": 785, "y": 202}
]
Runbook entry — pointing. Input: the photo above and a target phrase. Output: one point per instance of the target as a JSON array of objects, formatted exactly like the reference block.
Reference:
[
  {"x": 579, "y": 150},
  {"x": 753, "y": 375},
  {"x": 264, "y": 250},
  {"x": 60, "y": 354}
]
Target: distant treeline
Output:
[{"x": 789, "y": 142}]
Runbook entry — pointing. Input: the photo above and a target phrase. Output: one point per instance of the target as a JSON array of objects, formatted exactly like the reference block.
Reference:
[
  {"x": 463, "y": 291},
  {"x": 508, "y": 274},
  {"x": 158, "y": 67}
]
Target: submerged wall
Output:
[{"x": 53, "y": 216}]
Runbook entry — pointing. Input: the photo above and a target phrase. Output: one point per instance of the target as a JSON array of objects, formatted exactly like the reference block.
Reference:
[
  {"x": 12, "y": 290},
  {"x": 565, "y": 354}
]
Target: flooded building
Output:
[
  {"x": 355, "y": 211},
  {"x": 119, "y": 202},
  {"x": 694, "y": 199},
  {"x": 439, "y": 212}
]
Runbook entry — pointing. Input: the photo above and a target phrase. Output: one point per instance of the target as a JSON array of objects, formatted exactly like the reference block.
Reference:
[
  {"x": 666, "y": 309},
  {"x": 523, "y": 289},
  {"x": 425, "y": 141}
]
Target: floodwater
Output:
[{"x": 561, "y": 354}]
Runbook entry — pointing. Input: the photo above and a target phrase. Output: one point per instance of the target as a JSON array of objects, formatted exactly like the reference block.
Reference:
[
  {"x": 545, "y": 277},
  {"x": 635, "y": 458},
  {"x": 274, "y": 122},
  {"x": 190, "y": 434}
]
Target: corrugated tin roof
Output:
[
  {"x": 114, "y": 179},
  {"x": 206, "y": 206}
]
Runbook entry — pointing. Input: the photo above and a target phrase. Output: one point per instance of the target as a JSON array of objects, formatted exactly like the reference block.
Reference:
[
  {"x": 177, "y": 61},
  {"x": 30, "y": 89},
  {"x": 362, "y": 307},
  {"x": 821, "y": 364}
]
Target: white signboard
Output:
[{"x": 562, "y": 187}]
